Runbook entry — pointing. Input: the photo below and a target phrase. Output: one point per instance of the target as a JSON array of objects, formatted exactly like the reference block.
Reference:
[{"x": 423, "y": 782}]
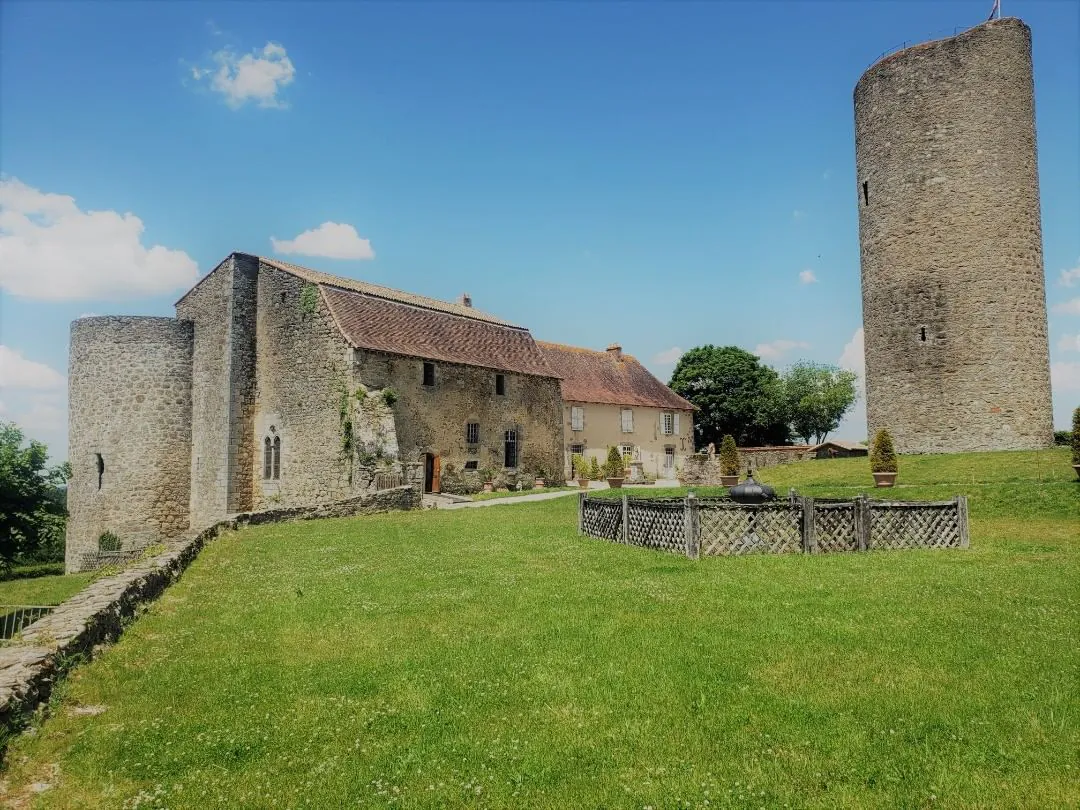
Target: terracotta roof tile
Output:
[
  {"x": 386, "y": 293},
  {"x": 376, "y": 323},
  {"x": 592, "y": 376}
]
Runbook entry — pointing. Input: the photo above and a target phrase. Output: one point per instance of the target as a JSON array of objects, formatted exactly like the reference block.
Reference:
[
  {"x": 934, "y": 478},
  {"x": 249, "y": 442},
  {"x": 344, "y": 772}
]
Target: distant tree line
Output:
[
  {"x": 737, "y": 394},
  {"x": 33, "y": 501}
]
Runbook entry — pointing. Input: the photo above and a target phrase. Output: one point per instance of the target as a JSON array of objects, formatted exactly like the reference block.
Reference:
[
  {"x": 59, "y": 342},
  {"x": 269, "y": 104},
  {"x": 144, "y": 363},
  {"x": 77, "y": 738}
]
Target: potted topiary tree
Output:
[
  {"x": 488, "y": 476},
  {"x": 541, "y": 479},
  {"x": 581, "y": 470},
  {"x": 1076, "y": 441},
  {"x": 883, "y": 459},
  {"x": 729, "y": 462},
  {"x": 613, "y": 469},
  {"x": 595, "y": 473}
]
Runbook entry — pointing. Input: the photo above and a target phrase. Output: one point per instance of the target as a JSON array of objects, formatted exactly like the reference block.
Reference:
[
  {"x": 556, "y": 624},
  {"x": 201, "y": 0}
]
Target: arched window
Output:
[
  {"x": 277, "y": 457},
  {"x": 268, "y": 459}
]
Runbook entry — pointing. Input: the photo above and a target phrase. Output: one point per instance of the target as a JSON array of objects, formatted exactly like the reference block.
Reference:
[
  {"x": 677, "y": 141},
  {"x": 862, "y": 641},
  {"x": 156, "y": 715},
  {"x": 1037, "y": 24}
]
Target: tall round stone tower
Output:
[
  {"x": 954, "y": 300},
  {"x": 129, "y": 432}
]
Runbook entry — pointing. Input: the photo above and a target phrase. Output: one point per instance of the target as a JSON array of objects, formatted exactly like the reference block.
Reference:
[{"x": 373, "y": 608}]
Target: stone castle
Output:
[
  {"x": 279, "y": 386},
  {"x": 954, "y": 301}
]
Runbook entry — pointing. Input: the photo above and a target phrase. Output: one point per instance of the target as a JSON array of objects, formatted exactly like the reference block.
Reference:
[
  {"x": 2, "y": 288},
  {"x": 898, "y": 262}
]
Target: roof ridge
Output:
[
  {"x": 386, "y": 293},
  {"x": 602, "y": 352}
]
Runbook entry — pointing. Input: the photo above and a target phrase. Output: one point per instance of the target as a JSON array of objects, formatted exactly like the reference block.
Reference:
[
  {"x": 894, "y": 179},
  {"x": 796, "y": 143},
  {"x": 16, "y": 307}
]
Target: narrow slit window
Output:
[
  {"x": 277, "y": 458},
  {"x": 866, "y": 192},
  {"x": 100, "y": 469},
  {"x": 268, "y": 459},
  {"x": 429, "y": 374},
  {"x": 500, "y": 384},
  {"x": 922, "y": 334}
]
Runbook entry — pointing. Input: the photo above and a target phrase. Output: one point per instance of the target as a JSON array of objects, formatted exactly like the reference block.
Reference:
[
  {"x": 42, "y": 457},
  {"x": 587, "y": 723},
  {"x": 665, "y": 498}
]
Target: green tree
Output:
[
  {"x": 32, "y": 509},
  {"x": 613, "y": 467},
  {"x": 734, "y": 394},
  {"x": 817, "y": 397},
  {"x": 882, "y": 453},
  {"x": 729, "y": 456}
]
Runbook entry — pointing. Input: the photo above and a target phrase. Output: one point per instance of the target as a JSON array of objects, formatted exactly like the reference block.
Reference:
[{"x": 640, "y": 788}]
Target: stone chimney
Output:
[
  {"x": 465, "y": 300},
  {"x": 616, "y": 351}
]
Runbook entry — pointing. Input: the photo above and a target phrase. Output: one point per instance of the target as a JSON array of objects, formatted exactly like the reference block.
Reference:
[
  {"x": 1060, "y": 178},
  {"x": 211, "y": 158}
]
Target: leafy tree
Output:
[
  {"x": 729, "y": 456},
  {"x": 32, "y": 510},
  {"x": 613, "y": 468},
  {"x": 817, "y": 396},
  {"x": 882, "y": 453},
  {"x": 734, "y": 394}
]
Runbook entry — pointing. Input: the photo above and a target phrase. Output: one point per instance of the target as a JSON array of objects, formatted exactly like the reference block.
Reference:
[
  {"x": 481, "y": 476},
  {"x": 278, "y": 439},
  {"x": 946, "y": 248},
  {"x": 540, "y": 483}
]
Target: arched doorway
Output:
[{"x": 432, "y": 473}]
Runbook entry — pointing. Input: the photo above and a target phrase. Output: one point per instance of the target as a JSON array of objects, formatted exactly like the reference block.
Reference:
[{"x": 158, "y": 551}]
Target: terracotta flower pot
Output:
[
  {"x": 729, "y": 480},
  {"x": 615, "y": 483},
  {"x": 539, "y": 482},
  {"x": 884, "y": 479},
  {"x": 583, "y": 483},
  {"x": 489, "y": 486}
]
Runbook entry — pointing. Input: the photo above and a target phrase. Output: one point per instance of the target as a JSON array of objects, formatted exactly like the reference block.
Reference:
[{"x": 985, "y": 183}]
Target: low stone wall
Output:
[
  {"x": 30, "y": 667},
  {"x": 702, "y": 469}
]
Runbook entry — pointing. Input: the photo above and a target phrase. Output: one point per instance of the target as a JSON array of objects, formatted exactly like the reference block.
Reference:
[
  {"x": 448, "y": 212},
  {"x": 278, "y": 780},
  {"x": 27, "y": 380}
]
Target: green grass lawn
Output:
[
  {"x": 487, "y": 496},
  {"x": 49, "y": 590},
  {"x": 493, "y": 658}
]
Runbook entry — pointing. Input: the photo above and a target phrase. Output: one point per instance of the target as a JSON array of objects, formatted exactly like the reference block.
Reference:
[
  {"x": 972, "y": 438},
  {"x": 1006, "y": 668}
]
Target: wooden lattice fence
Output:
[{"x": 721, "y": 527}]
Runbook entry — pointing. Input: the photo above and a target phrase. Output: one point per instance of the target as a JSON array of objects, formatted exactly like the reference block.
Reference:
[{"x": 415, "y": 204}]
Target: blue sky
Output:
[{"x": 659, "y": 175}]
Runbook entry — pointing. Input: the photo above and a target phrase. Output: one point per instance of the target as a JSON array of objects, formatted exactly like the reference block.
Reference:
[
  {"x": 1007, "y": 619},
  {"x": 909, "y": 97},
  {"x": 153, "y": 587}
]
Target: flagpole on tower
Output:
[{"x": 995, "y": 10}]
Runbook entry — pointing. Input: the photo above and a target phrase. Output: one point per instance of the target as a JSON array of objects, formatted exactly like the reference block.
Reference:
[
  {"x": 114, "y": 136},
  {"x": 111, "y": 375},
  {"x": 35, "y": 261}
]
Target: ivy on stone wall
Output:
[{"x": 309, "y": 299}]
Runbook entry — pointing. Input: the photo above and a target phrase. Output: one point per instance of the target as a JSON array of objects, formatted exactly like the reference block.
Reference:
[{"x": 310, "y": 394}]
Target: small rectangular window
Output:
[
  {"x": 472, "y": 433},
  {"x": 627, "y": 420},
  {"x": 667, "y": 423},
  {"x": 471, "y": 465},
  {"x": 577, "y": 418},
  {"x": 626, "y": 451},
  {"x": 500, "y": 384},
  {"x": 577, "y": 450},
  {"x": 510, "y": 449},
  {"x": 429, "y": 374}
]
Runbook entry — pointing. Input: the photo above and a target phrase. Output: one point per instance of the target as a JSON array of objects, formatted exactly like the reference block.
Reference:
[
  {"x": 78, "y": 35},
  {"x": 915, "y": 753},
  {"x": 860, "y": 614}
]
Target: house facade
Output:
[
  {"x": 611, "y": 400},
  {"x": 276, "y": 385}
]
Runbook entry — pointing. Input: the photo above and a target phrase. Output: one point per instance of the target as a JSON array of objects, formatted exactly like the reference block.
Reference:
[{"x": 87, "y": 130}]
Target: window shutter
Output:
[{"x": 676, "y": 423}]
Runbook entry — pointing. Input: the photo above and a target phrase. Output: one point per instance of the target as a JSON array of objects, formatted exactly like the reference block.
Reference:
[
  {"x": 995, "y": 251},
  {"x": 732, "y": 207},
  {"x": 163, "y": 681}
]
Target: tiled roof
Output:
[
  {"x": 386, "y": 293},
  {"x": 376, "y": 323},
  {"x": 843, "y": 445},
  {"x": 592, "y": 376}
]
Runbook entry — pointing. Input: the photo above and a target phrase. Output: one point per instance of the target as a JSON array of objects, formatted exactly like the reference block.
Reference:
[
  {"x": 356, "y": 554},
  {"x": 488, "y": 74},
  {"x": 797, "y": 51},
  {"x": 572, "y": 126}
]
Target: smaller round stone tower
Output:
[
  {"x": 954, "y": 299},
  {"x": 129, "y": 431}
]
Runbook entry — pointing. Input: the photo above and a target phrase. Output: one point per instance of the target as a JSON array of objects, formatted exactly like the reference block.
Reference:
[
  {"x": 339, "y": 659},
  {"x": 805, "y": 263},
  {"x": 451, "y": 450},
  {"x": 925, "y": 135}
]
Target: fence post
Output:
[
  {"x": 690, "y": 519},
  {"x": 862, "y": 522},
  {"x": 625, "y": 519},
  {"x": 962, "y": 519},
  {"x": 809, "y": 526},
  {"x": 581, "y": 513}
]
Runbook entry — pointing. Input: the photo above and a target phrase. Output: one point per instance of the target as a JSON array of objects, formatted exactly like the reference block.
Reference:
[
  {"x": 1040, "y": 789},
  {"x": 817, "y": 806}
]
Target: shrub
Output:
[
  {"x": 389, "y": 396},
  {"x": 581, "y": 466},
  {"x": 883, "y": 454},
  {"x": 1063, "y": 438},
  {"x": 108, "y": 542},
  {"x": 1076, "y": 436},
  {"x": 613, "y": 468},
  {"x": 309, "y": 299},
  {"x": 487, "y": 474},
  {"x": 594, "y": 472},
  {"x": 729, "y": 456}
]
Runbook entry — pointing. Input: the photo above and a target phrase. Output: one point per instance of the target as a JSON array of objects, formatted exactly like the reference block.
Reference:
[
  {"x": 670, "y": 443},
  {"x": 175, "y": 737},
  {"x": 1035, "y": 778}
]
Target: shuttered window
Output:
[
  {"x": 627, "y": 420},
  {"x": 577, "y": 418}
]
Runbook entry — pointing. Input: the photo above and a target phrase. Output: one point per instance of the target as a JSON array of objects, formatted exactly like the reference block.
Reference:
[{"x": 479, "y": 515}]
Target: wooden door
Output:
[{"x": 436, "y": 467}]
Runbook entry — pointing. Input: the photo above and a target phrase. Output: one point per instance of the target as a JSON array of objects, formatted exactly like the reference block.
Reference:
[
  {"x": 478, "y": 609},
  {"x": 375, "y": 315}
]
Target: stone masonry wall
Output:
[
  {"x": 129, "y": 406},
  {"x": 704, "y": 470},
  {"x": 303, "y": 371},
  {"x": 433, "y": 419},
  {"x": 243, "y": 308},
  {"x": 954, "y": 304}
]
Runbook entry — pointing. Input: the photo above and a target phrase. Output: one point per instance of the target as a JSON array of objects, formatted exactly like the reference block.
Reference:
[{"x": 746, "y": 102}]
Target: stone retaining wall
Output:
[
  {"x": 98, "y": 614},
  {"x": 702, "y": 469}
]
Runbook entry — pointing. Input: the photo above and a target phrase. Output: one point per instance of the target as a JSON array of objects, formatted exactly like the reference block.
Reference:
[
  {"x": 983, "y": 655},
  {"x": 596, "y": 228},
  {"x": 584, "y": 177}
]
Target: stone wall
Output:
[
  {"x": 701, "y": 469},
  {"x": 954, "y": 305},
  {"x": 31, "y": 665},
  {"x": 432, "y": 419},
  {"x": 304, "y": 374},
  {"x": 129, "y": 431}
]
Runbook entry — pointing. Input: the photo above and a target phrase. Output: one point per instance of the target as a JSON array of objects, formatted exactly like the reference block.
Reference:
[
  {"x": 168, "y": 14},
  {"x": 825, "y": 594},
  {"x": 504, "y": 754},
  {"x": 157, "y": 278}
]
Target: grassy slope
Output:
[
  {"x": 489, "y": 657},
  {"x": 489, "y": 496},
  {"x": 41, "y": 590}
]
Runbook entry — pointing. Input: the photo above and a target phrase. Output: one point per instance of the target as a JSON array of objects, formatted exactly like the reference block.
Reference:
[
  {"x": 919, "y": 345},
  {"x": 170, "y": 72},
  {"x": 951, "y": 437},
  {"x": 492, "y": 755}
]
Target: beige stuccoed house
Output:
[{"x": 610, "y": 399}]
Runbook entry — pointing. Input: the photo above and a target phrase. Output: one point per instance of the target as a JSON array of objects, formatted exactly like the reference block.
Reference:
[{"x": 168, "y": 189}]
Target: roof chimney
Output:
[
  {"x": 465, "y": 300},
  {"x": 616, "y": 350}
]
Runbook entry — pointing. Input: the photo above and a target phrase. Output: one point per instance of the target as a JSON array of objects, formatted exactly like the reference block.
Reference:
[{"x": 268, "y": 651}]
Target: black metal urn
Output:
[{"x": 750, "y": 491}]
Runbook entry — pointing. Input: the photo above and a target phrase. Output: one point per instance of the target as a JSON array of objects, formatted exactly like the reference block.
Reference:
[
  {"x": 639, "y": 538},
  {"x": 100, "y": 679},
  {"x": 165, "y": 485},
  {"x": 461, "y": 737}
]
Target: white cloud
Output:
[
  {"x": 1070, "y": 307},
  {"x": 1070, "y": 276},
  {"x": 1069, "y": 343},
  {"x": 18, "y": 372},
  {"x": 1065, "y": 376},
  {"x": 853, "y": 358},
  {"x": 52, "y": 250},
  {"x": 807, "y": 277},
  {"x": 332, "y": 240},
  {"x": 258, "y": 76},
  {"x": 668, "y": 357},
  {"x": 773, "y": 350}
]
